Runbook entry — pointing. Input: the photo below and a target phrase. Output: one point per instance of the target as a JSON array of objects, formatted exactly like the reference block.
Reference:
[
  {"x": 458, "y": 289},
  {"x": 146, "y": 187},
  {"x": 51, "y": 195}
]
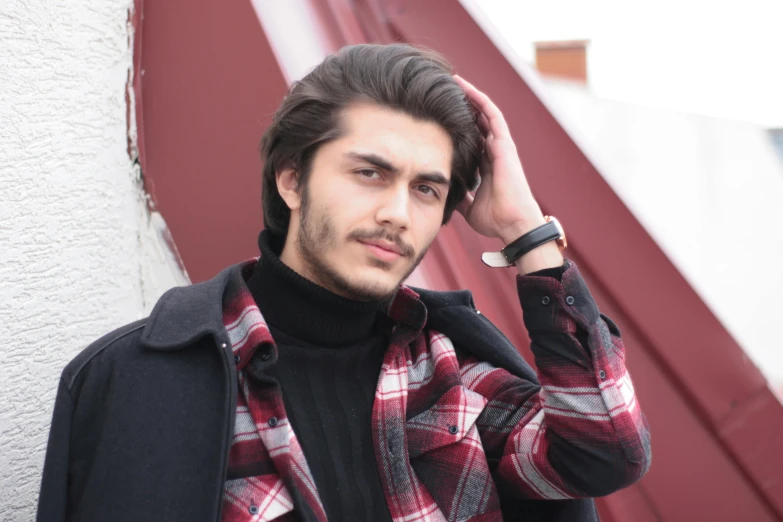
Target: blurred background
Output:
[{"x": 129, "y": 164}]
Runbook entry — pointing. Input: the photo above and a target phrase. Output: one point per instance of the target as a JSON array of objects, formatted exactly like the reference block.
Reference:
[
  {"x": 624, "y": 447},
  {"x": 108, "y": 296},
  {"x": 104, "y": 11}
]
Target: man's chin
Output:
[
  {"x": 369, "y": 287},
  {"x": 374, "y": 292}
]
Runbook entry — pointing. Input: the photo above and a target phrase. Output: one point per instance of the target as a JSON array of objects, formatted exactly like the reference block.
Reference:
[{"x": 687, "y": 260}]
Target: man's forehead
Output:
[{"x": 369, "y": 129}]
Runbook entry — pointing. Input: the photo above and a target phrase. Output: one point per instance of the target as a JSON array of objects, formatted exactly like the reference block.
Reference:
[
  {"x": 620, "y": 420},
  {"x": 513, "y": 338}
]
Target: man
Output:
[{"x": 310, "y": 384}]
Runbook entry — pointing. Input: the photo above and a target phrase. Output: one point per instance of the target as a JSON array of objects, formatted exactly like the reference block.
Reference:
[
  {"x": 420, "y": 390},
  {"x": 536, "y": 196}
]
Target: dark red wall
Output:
[{"x": 209, "y": 86}]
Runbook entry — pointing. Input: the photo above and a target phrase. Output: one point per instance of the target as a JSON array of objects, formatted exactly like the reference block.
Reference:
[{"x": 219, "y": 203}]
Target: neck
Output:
[
  {"x": 300, "y": 307},
  {"x": 291, "y": 258}
]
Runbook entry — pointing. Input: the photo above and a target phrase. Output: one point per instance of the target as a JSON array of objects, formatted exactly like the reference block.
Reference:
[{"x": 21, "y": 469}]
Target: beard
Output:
[{"x": 317, "y": 234}]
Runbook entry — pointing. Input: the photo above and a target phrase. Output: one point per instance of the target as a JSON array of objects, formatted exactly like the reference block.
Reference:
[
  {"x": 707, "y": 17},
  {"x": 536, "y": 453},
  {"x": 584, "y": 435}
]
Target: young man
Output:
[{"x": 312, "y": 385}]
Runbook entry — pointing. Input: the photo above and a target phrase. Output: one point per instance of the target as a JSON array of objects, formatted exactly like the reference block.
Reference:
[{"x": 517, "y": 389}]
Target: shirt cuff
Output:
[
  {"x": 556, "y": 272},
  {"x": 552, "y": 305}
]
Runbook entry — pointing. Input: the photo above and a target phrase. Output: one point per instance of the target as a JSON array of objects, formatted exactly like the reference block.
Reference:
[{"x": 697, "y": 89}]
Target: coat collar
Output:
[
  {"x": 186, "y": 314},
  {"x": 454, "y": 315}
]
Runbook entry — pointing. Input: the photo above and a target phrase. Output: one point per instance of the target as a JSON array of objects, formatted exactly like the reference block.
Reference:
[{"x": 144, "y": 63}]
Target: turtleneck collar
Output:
[{"x": 301, "y": 308}]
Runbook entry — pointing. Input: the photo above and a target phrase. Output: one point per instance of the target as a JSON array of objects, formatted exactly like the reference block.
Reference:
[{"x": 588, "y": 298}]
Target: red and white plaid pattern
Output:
[{"x": 440, "y": 416}]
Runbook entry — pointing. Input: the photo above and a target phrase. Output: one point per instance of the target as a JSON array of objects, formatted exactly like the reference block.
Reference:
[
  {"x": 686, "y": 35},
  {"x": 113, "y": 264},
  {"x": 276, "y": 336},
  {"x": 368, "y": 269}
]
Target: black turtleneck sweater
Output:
[{"x": 330, "y": 355}]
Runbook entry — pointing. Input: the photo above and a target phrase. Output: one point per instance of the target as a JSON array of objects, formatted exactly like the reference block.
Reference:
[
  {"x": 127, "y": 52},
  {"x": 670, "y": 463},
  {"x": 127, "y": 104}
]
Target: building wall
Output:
[
  {"x": 80, "y": 253},
  {"x": 708, "y": 190}
]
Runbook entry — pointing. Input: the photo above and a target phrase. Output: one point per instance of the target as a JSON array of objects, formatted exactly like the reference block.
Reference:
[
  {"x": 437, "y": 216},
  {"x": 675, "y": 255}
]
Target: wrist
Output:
[
  {"x": 544, "y": 256},
  {"x": 532, "y": 243},
  {"x": 513, "y": 232}
]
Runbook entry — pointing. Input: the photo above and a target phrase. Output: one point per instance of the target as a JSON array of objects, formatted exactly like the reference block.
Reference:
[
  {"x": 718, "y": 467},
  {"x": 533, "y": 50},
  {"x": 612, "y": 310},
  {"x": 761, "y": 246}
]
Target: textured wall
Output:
[{"x": 79, "y": 253}]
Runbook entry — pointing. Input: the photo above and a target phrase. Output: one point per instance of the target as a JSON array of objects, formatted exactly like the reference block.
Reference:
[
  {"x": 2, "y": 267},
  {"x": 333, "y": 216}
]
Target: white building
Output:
[{"x": 80, "y": 253}]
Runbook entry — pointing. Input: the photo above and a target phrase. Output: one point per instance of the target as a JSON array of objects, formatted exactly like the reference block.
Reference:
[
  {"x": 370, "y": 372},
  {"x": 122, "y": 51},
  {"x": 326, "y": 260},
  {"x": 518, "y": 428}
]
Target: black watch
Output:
[{"x": 550, "y": 231}]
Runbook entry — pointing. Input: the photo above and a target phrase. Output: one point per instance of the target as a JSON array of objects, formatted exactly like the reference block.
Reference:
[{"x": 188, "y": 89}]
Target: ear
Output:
[{"x": 288, "y": 187}]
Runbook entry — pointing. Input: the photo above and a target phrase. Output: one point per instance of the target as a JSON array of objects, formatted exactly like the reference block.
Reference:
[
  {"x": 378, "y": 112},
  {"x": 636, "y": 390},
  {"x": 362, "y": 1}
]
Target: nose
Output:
[{"x": 394, "y": 210}]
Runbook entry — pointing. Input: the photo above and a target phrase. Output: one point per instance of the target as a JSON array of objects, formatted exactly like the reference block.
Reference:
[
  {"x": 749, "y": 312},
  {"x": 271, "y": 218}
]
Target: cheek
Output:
[
  {"x": 346, "y": 205},
  {"x": 432, "y": 237},
  {"x": 427, "y": 234}
]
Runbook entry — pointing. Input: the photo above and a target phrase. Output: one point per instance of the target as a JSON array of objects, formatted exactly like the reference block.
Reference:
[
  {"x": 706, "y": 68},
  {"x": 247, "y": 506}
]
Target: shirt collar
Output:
[
  {"x": 224, "y": 309},
  {"x": 293, "y": 304}
]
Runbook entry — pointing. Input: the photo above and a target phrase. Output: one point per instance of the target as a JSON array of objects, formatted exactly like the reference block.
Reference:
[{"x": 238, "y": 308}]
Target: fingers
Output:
[
  {"x": 484, "y": 128},
  {"x": 496, "y": 123},
  {"x": 464, "y": 205},
  {"x": 485, "y": 165},
  {"x": 483, "y": 124}
]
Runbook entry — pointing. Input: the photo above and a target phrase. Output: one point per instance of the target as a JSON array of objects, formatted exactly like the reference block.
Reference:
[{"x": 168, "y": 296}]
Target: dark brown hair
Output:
[{"x": 417, "y": 82}]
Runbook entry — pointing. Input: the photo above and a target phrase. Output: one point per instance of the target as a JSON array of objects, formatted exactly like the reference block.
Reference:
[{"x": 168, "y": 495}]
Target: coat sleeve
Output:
[
  {"x": 580, "y": 432},
  {"x": 54, "y": 484}
]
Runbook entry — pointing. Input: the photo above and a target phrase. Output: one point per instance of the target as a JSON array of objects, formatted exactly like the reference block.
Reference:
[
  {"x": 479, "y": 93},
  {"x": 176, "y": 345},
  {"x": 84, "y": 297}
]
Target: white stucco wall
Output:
[
  {"x": 79, "y": 252},
  {"x": 710, "y": 193}
]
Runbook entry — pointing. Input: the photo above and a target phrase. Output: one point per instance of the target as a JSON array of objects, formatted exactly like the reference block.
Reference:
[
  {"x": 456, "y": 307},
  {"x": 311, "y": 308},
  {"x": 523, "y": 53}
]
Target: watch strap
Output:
[{"x": 516, "y": 249}]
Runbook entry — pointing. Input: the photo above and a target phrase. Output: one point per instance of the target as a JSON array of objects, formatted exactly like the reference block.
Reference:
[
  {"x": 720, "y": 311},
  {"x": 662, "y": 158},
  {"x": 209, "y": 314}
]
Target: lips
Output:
[
  {"x": 383, "y": 251},
  {"x": 391, "y": 247}
]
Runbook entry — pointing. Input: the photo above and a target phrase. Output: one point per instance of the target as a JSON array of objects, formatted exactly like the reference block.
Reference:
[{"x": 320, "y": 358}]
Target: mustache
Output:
[{"x": 363, "y": 235}]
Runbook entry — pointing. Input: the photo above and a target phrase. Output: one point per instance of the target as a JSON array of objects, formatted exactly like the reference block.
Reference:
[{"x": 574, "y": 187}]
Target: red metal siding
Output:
[{"x": 209, "y": 86}]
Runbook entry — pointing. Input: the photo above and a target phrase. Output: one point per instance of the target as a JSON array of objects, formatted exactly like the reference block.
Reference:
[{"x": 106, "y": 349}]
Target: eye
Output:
[
  {"x": 369, "y": 173},
  {"x": 427, "y": 190}
]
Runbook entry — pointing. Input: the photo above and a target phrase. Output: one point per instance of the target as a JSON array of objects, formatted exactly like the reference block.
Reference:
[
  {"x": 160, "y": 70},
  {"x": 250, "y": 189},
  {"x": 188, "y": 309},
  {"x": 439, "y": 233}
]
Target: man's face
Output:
[{"x": 372, "y": 204}]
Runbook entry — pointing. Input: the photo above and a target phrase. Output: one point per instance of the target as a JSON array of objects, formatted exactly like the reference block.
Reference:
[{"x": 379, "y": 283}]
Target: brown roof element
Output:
[
  {"x": 562, "y": 44},
  {"x": 563, "y": 59}
]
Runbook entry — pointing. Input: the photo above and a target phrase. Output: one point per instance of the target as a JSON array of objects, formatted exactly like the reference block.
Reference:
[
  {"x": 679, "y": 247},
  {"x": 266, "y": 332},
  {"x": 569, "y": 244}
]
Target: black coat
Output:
[{"x": 144, "y": 415}]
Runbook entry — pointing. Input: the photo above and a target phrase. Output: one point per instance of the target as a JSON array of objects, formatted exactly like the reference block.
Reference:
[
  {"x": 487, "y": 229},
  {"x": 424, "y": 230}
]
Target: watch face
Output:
[{"x": 562, "y": 241}]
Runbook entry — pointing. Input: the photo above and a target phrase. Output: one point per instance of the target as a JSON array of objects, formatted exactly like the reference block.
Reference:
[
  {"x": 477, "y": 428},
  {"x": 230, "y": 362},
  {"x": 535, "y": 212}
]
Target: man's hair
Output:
[{"x": 415, "y": 81}]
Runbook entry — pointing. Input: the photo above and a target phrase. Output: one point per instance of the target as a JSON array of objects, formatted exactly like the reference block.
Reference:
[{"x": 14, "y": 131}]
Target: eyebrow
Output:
[{"x": 382, "y": 163}]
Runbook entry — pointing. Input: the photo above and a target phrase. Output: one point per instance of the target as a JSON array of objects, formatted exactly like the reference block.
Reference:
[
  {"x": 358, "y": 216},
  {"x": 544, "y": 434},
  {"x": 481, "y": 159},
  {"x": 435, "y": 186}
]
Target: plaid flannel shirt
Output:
[{"x": 448, "y": 429}]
